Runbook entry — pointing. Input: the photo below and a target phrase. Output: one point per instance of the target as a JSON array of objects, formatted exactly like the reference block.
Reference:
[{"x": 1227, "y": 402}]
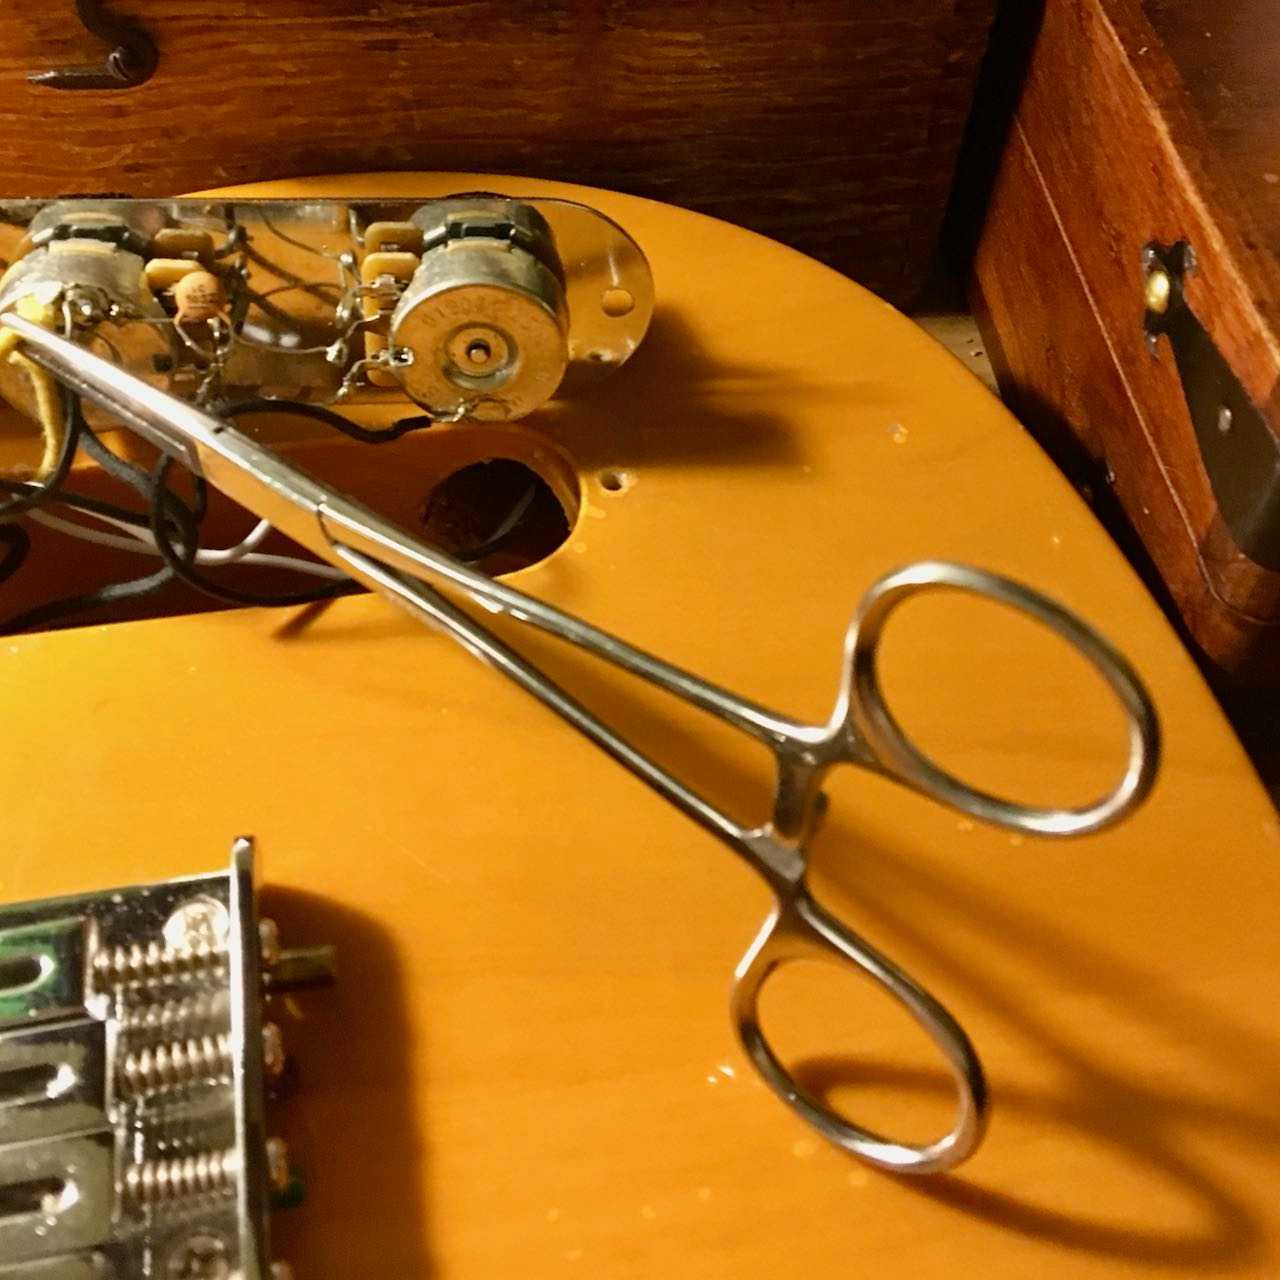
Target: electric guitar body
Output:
[{"x": 526, "y": 1065}]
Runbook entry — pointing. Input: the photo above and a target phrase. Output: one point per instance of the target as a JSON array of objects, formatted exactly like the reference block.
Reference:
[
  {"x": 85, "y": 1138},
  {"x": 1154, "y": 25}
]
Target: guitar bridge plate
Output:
[{"x": 135, "y": 1068}]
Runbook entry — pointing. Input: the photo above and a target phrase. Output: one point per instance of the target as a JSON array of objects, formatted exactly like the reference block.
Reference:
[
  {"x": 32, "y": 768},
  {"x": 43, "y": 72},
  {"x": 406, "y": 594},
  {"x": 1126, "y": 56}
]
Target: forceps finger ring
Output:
[
  {"x": 863, "y": 730},
  {"x": 864, "y": 707},
  {"x": 800, "y": 929}
]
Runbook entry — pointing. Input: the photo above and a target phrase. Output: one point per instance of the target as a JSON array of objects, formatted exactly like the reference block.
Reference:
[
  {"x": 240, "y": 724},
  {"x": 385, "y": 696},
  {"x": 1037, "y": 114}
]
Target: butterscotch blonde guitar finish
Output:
[{"x": 527, "y": 1066}]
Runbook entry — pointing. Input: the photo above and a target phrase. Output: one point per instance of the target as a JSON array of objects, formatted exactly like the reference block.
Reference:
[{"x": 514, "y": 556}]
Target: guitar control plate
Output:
[{"x": 477, "y": 305}]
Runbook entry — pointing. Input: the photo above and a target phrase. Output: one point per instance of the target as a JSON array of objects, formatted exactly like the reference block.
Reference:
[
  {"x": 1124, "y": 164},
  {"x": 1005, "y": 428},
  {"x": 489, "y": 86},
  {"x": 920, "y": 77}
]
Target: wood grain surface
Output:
[
  {"x": 1226, "y": 56},
  {"x": 1109, "y": 151},
  {"x": 832, "y": 125}
]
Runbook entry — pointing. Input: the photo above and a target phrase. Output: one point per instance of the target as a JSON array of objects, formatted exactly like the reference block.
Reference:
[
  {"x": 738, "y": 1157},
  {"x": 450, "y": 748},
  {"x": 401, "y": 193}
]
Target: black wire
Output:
[
  {"x": 117, "y": 467},
  {"x": 41, "y": 491},
  {"x": 81, "y": 502},
  {"x": 185, "y": 520},
  {"x": 96, "y": 506},
  {"x": 166, "y": 511},
  {"x": 174, "y": 525},
  {"x": 57, "y": 610},
  {"x": 181, "y": 559},
  {"x": 17, "y": 544},
  {"x": 321, "y": 413}
]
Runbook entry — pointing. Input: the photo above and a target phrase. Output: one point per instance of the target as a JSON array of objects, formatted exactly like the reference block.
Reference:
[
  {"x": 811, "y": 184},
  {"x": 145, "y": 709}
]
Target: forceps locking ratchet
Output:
[{"x": 861, "y": 730}]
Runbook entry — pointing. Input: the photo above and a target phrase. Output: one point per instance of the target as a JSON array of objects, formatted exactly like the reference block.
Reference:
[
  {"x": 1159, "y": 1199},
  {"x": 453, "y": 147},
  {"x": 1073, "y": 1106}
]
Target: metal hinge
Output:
[{"x": 1241, "y": 453}]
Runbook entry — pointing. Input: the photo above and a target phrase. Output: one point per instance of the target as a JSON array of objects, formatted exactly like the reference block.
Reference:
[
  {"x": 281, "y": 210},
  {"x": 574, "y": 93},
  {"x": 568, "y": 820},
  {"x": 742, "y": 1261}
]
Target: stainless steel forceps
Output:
[{"x": 861, "y": 731}]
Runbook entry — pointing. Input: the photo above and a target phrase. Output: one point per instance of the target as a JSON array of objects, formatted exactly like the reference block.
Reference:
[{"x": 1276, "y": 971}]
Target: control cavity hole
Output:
[{"x": 498, "y": 514}]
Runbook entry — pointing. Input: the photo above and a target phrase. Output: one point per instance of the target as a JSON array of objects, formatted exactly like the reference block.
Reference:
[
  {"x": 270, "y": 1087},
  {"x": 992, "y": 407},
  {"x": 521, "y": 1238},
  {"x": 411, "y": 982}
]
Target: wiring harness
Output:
[{"x": 166, "y": 527}]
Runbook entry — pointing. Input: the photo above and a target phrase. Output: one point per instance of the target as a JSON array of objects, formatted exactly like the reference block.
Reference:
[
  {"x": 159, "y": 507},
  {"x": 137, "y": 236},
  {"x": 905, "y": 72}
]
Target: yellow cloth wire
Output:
[{"x": 43, "y": 384}]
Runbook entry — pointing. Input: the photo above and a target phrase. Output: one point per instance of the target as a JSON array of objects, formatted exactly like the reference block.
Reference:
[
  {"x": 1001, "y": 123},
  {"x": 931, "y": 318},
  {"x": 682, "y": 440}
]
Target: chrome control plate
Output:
[{"x": 335, "y": 301}]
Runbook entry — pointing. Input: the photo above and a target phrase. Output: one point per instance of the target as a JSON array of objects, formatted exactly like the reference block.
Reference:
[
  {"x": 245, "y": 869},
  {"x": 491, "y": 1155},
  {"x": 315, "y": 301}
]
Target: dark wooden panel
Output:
[
  {"x": 1228, "y": 58},
  {"x": 1109, "y": 152},
  {"x": 1059, "y": 374},
  {"x": 832, "y": 125}
]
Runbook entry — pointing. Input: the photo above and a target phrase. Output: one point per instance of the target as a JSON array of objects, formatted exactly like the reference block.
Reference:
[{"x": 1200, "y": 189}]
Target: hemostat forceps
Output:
[{"x": 861, "y": 731}]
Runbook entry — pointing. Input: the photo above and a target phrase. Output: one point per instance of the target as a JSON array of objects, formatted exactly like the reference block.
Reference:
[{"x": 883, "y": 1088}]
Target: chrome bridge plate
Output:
[{"x": 134, "y": 1069}]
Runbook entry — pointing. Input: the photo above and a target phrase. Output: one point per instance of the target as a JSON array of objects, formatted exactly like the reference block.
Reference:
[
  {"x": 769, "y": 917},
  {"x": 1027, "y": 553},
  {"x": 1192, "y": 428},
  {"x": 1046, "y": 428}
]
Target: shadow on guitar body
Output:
[
  {"x": 351, "y": 1124},
  {"x": 1190, "y": 1221}
]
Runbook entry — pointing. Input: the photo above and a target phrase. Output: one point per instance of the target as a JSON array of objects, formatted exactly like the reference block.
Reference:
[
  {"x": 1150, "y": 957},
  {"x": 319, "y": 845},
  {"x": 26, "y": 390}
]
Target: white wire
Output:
[
  {"x": 228, "y": 555},
  {"x": 142, "y": 539},
  {"x": 96, "y": 536},
  {"x": 142, "y": 542}
]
